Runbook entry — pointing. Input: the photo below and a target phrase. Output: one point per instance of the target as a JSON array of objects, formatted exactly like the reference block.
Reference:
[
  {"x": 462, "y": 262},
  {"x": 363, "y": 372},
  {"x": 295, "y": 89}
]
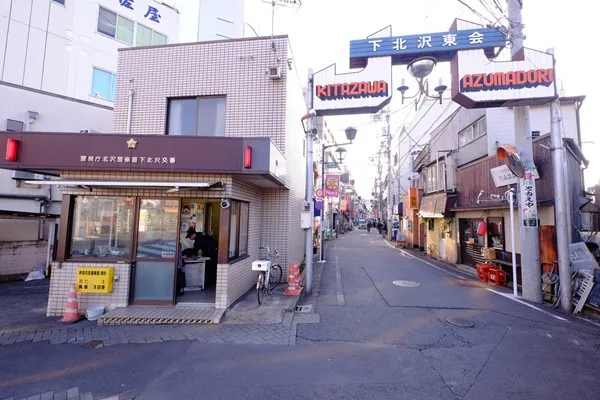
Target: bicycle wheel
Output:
[
  {"x": 275, "y": 276},
  {"x": 259, "y": 287}
]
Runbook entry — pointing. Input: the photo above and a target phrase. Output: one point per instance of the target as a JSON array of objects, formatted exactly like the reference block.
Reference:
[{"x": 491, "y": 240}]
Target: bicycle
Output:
[{"x": 269, "y": 275}]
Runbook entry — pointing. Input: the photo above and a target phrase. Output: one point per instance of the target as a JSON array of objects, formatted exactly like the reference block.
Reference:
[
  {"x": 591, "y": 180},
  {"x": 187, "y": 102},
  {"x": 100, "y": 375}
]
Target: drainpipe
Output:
[{"x": 129, "y": 109}]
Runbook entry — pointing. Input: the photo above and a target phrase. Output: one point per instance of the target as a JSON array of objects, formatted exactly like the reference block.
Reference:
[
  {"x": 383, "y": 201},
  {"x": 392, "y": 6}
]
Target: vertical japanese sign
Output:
[
  {"x": 414, "y": 198},
  {"x": 332, "y": 185},
  {"x": 528, "y": 201}
]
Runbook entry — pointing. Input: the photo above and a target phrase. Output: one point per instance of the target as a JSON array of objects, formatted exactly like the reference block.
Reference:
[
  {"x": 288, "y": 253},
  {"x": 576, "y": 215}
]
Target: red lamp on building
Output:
[
  {"x": 12, "y": 150},
  {"x": 248, "y": 157}
]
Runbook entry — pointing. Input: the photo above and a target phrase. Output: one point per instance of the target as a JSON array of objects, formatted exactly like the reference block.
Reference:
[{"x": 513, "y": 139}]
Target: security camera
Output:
[{"x": 225, "y": 203}]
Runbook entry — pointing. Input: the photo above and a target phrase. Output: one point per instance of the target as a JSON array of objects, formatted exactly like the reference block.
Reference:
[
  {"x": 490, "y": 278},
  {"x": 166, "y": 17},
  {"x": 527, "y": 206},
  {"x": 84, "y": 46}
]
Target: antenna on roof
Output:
[{"x": 281, "y": 3}]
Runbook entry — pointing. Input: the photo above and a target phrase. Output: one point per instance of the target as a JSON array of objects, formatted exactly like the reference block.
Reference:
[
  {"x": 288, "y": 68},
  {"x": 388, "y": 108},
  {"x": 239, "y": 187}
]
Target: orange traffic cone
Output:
[
  {"x": 294, "y": 288},
  {"x": 71, "y": 309}
]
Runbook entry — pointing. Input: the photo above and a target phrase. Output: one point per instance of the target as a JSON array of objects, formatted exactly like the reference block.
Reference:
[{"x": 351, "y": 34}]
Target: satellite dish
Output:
[{"x": 511, "y": 158}]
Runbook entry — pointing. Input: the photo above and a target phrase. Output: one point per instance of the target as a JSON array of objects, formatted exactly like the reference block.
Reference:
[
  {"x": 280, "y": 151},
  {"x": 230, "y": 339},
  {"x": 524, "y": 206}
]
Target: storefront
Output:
[
  {"x": 133, "y": 217},
  {"x": 435, "y": 215}
]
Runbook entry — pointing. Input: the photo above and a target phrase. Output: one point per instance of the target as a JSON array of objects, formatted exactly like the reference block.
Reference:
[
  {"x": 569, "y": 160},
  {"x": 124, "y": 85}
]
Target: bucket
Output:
[{"x": 93, "y": 313}]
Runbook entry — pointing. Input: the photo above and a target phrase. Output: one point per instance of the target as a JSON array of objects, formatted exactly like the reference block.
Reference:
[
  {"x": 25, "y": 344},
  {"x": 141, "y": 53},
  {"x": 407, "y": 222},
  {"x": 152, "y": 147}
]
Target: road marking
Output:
[
  {"x": 510, "y": 296},
  {"x": 338, "y": 279},
  {"x": 426, "y": 262}
]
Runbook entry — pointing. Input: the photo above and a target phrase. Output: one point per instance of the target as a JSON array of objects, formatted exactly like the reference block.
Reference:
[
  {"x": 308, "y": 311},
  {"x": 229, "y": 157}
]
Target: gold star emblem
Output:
[{"x": 131, "y": 143}]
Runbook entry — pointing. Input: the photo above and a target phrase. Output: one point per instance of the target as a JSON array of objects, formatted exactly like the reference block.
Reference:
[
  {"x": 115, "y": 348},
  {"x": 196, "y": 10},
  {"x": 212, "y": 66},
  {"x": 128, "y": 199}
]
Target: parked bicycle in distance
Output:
[{"x": 269, "y": 274}]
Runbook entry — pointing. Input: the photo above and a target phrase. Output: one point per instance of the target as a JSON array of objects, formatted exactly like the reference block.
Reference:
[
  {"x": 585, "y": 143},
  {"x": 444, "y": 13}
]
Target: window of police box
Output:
[
  {"x": 101, "y": 227},
  {"x": 238, "y": 229},
  {"x": 200, "y": 116}
]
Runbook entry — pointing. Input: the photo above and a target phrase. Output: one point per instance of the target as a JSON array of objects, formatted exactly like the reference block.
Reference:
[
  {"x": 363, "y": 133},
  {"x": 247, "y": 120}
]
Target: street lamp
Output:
[
  {"x": 420, "y": 69},
  {"x": 350, "y": 135}
]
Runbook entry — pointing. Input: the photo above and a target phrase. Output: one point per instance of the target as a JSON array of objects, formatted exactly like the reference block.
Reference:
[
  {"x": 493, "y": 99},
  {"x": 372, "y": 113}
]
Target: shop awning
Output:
[
  {"x": 434, "y": 206},
  {"x": 171, "y": 186}
]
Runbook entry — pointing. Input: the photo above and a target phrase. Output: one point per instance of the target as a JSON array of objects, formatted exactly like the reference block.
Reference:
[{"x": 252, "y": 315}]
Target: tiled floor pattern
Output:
[
  {"x": 153, "y": 315},
  {"x": 206, "y": 296}
]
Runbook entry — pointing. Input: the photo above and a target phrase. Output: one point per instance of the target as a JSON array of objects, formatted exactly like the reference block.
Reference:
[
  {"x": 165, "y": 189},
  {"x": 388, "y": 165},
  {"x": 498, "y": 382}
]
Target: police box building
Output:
[{"x": 205, "y": 139}]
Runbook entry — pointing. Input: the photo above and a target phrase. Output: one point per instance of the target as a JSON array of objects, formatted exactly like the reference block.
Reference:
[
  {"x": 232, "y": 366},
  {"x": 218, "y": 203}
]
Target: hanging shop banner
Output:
[
  {"x": 528, "y": 201},
  {"x": 441, "y": 45},
  {"x": 478, "y": 82},
  {"x": 344, "y": 203},
  {"x": 332, "y": 185}
]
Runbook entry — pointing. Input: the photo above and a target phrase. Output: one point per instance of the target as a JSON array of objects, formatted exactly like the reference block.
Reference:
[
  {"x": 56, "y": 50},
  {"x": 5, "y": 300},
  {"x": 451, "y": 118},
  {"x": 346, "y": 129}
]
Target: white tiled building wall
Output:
[{"x": 64, "y": 274}]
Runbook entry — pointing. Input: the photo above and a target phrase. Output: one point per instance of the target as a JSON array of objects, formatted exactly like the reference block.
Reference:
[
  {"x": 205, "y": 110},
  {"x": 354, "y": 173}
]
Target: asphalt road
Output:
[{"x": 375, "y": 340}]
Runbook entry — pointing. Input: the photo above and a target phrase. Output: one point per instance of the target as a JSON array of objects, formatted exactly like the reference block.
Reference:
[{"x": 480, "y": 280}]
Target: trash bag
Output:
[{"x": 35, "y": 274}]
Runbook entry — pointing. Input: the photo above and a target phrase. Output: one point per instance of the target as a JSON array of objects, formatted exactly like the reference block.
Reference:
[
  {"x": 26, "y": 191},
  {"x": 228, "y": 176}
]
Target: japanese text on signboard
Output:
[
  {"x": 151, "y": 14},
  {"x": 94, "y": 280},
  {"x": 528, "y": 200}
]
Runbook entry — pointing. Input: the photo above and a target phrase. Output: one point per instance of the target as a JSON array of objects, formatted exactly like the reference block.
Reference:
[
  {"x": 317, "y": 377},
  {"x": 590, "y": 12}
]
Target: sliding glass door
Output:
[{"x": 156, "y": 252}]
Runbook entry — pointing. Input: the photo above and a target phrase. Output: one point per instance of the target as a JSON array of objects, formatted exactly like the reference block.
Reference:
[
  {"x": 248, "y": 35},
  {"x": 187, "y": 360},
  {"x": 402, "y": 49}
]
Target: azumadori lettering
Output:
[
  {"x": 353, "y": 90},
  {"x": 507, "y": 80}
]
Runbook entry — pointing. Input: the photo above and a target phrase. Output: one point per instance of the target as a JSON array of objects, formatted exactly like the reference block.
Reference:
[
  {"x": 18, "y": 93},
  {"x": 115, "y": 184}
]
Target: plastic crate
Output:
[
  {"x": 483, "y": 271},
  {"x": 497, "y": 277}
]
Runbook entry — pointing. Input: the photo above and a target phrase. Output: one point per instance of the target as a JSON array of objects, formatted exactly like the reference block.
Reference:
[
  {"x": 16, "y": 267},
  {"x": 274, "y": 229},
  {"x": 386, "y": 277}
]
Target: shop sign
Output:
[
  {"x": 502, "y": 176},
  {"x": 332, "y": 185},
  {"x": 95, "y": 280},
  {"x": 443, "y": 45},
  {"x": 528, "y": 201},
  {"x": 478, "y": 82},
  {"x": 414, "y": 198},
  {"x": 148, "y": 11},
  {"x": 364, "y": 91},
  {"x": 126, "y": 159},
  {"x": 507, "y": 80}
]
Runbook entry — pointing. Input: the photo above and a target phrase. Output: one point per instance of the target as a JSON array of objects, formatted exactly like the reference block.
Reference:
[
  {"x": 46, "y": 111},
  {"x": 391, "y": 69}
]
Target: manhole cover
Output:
[
  {"x": 406, "y": 283},
  {"x": 304, "y": 309},
  {"x": 463, "y": 323}
]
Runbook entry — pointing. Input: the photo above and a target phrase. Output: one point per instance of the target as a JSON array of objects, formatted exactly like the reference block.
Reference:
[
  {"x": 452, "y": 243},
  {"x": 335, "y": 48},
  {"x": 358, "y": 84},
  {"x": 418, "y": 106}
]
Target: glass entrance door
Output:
[{"x": 156, "y": 252}]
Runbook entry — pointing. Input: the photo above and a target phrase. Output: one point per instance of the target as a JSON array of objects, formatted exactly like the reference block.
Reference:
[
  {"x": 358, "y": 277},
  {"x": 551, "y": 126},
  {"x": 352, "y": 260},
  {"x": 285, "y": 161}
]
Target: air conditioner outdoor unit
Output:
[{"x": 274, "y": 72}]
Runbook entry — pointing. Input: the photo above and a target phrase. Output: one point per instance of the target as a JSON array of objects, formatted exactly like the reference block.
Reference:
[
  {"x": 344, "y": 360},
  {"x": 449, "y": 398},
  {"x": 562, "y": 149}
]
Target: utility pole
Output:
[
  {"x": 528, "y": 224},
  {"x": 389, "y": 159},
  {"x": 379, "y": 190},
  {"x": 308, "y": 251},
  {"x": 561, "y": 206}
]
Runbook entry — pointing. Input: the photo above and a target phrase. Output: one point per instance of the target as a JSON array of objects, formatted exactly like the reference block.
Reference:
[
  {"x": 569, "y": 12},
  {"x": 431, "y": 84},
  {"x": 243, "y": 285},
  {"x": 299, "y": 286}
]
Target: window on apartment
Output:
[
  {"x": 472, "y": 132},
  {"x": 104, "y": 84},
  {"x": 238, "y": 229},
  {"x": 101, "y": 227},
  {"x": 435, "y": 178},
  {"x": 147, "y": 37},
  {"x": 115, "y": 26},
  {"x": 59, "y": 2},
  {"x": 201, "y": 116}
]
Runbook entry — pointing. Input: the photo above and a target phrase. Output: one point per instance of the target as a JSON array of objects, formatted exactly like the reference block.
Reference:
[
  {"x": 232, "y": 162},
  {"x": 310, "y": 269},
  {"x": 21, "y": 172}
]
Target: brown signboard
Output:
[{"x": 47, "y": 152}]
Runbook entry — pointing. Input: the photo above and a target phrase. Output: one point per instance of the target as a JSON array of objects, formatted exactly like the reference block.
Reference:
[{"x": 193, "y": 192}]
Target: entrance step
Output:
[{"x": 155, "y": 315}]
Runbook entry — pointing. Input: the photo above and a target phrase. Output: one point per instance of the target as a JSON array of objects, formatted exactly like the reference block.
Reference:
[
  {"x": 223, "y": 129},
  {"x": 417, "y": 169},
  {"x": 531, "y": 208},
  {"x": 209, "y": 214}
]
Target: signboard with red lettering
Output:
[{"x": 481, "y": 82}]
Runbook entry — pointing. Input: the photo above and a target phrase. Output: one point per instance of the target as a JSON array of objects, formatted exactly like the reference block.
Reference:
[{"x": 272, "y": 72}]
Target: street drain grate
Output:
[
  {"x": 461, "y": 322},
  {"x": 304, "y": 309},
  {"x": 92, "y": 344},
  {"x": 406, "y": 283}
]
